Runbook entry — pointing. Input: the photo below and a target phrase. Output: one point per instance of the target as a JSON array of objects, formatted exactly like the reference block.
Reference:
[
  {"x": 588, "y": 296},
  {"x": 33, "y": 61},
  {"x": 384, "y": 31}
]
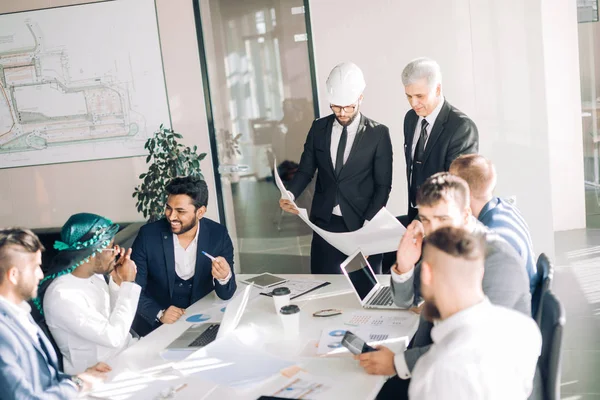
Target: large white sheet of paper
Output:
[
  {"x": 380, "y": 235},
  {"x": 231, "y": 362}
]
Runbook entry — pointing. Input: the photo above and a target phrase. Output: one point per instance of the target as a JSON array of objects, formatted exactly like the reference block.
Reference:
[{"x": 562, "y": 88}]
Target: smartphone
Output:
[{"x": 355, "y": 344}]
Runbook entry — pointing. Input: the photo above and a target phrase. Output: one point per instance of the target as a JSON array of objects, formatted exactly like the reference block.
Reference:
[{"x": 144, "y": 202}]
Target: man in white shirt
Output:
[
  {"x": 352, "y": 157},
  {"x": 89, "y": 299},
  {"x": 480, "y": 351},
  {"x": 181, "y": 258},
  {"x": 443, "y": 200},
  {"x": 28, "y": 363}
]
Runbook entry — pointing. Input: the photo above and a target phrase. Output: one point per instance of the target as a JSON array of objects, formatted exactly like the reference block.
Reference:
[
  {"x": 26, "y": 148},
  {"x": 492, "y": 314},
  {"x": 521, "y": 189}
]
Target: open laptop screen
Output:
[{"x": 361, "y": 275}]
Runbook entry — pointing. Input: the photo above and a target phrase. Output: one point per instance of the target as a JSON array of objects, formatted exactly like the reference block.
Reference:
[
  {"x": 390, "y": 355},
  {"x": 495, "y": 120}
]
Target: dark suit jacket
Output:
[
  {"x": 154, "y": 256},
  {"x": 365, "y": 181},
  {"x": 452, "y": 135},
  {"x": 28, "y": 368}
]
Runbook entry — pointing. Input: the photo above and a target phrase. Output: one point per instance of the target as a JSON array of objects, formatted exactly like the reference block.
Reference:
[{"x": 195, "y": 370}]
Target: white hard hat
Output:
[{"x": 345, "y": 84}]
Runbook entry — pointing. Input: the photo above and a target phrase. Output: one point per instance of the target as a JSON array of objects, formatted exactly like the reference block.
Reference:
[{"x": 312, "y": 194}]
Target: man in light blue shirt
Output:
[{"x": 498, "y": 214}]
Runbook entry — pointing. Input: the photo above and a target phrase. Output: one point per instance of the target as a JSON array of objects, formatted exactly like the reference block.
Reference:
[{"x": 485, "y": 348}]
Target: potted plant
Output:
[{"x": 168, "y": 159}]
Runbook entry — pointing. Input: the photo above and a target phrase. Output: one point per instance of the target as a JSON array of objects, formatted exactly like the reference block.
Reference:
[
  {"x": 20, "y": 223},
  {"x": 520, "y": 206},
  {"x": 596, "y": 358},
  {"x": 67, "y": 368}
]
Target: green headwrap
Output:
[{"x": 82, "y": 236}]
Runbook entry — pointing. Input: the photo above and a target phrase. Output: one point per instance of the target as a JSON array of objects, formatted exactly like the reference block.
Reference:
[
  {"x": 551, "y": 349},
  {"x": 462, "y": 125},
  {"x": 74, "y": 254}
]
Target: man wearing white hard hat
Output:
[{"x": 352, "y": 156}]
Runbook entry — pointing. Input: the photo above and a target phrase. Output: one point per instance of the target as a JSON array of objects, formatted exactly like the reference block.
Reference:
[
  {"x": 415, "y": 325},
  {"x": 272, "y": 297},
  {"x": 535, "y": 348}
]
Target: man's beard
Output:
[
  {"x": 347, "y": 123},
  {"x": 430, "y": 311},
  {"x": 185, "y": 228},
  {"x": 26, "y": 290}
]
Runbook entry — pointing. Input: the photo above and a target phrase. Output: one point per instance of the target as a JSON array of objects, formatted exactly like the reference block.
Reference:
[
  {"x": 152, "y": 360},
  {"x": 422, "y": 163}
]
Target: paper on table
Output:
[
  {"x": 304, "y": 386},
  {"x": 297, "y": 286},
  {"x": 229, "y": 361},
  {"x": 380, "y": 319}
]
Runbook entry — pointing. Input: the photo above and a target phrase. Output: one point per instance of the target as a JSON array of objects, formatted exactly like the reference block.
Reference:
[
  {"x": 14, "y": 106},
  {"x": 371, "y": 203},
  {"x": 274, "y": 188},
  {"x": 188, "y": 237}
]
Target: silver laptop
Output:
[
  {"x": 371, "y": 293},
  {"x": 200, "y": 335}
]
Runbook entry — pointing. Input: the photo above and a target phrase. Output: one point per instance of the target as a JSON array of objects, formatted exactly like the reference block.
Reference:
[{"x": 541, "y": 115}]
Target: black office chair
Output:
[
  {"x": 41, "y": 322},
  {"x": 545, "y": 271},
  {"x": 552, "y": 323}
]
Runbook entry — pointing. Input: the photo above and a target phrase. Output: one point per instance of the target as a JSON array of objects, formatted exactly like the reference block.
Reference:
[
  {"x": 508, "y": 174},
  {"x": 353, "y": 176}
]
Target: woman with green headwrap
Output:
[{"x": 88, "y": 298}]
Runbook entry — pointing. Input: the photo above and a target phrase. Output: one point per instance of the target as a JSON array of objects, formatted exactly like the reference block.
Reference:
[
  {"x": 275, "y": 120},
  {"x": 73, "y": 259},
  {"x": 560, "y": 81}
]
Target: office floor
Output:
[
  {"x": 576, "y": 282},
  {"x": 262, "y": 246}
]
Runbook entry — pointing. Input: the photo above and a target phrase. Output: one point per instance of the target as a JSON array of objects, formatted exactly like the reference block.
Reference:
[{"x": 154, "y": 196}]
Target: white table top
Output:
[{"x": 132, "y": 365}]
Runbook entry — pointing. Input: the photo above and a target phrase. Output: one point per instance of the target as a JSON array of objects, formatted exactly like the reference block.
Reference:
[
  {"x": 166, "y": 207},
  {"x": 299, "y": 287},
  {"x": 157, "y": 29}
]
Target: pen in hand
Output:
[{"x": 208, "y": 255}]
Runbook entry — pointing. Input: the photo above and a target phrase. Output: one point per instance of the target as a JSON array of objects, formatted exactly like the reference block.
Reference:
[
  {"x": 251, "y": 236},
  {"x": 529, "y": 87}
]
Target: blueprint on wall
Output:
[{"x": 80, "y": 83}]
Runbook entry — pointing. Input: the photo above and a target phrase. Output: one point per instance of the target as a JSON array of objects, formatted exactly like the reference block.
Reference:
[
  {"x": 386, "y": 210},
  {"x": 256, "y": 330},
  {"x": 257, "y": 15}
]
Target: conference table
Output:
[{"x": 145, "y": 371}]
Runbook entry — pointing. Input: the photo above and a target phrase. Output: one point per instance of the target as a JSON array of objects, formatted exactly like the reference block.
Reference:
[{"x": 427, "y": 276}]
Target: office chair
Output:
[
  {"x": 545, "y": 271},
  {"x": 39, "y": 319},
  {"x": 552, "y": 323}
]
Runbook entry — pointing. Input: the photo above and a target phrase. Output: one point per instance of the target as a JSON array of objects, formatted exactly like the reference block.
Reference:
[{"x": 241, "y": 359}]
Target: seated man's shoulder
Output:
[
  {"x": 214, "y": 225},
  {"x": 155, "y": 228}
]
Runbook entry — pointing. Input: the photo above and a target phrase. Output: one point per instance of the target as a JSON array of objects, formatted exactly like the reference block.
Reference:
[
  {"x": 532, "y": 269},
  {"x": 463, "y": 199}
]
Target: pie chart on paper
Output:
[{"x": 198, "y": 318}]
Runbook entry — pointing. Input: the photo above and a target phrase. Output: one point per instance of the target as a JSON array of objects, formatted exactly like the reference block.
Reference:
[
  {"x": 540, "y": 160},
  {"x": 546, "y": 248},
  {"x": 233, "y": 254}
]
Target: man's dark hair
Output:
[
  {"x": 193, "y": 186},
  {"x": 443, "y": 186},
  {"x": 456, "y": 242},
  {"x": 18, "y": 239}
]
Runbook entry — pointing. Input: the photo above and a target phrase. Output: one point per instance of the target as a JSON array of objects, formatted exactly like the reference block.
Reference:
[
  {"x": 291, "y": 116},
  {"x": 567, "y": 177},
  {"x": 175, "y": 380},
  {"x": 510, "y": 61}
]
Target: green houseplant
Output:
[{"x": 168, "y": 159}]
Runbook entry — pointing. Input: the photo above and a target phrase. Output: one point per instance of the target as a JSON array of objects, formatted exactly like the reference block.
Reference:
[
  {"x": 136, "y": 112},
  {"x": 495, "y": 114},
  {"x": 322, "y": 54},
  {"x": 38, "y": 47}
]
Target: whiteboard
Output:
[{"x": 82, "y": 82}]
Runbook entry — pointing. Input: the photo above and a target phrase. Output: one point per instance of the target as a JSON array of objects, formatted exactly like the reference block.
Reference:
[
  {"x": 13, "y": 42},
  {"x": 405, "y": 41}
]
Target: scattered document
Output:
[
  {"x": 284, "y": 193},
  {"x": 298, "y": 287},
  {"x": 229, "y": 361},
  {"x": 380, "y": 319},
  {"x": 380, "y": 235},
  {"x": 304, "y": 386}
]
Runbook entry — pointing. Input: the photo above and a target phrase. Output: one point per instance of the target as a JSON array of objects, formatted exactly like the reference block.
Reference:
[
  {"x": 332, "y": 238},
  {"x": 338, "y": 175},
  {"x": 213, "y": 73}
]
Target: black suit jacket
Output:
[
  {"x": 452, "y": 135},
  {"x": 364, "y": 182},
  {"x": 154, "y": 254}
]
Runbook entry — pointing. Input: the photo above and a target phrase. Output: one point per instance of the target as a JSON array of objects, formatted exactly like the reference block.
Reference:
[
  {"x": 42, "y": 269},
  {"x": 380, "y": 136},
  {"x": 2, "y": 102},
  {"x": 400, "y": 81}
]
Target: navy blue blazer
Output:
[
  {"x": 154, "y": 255},
  {"x": 26, "y": 370}
]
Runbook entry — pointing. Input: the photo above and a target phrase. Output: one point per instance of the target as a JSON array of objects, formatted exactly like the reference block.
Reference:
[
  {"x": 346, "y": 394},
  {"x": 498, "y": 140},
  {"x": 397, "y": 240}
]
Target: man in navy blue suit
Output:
[{"x": 171, "y": 267}]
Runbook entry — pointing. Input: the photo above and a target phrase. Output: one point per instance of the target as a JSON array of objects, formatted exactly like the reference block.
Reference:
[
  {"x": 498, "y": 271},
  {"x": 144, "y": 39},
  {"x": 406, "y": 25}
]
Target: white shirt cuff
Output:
[
  {"x": 224, "y": 281},
  {"x": 401, "y": 367},
  {"x": 112, "y": 285},
  {"x": 160, "y": 314},
  {"x": 401, "y": 278}
]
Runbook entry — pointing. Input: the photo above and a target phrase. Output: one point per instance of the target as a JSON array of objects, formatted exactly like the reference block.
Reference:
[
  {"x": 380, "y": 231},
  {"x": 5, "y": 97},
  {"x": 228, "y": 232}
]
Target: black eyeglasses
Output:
[{"x": 347, "y": 109}]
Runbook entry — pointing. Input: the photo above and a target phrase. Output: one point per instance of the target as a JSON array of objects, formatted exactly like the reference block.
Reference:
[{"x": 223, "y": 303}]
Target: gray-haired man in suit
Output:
[{"x": 443, "y": 200}]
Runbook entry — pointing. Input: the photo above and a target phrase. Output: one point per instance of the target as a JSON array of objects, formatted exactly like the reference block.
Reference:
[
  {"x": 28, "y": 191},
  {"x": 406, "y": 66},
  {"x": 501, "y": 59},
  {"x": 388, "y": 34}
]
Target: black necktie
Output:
[
  {"x": 417, "y": 162},
  {"x": 420, "y": 150},
  {"x": 339, "y": 159}
]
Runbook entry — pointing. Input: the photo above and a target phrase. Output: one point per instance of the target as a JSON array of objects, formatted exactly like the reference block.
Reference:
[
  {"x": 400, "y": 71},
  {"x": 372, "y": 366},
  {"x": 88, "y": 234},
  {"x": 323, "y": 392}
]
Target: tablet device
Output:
[
  {"x": 264, "y": 280},
  {"x": 355, "y": 344}
]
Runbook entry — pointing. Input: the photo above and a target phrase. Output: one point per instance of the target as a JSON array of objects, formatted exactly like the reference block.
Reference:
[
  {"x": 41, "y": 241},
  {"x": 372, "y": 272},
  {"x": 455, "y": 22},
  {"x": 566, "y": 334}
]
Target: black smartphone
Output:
[{"x": 355, "y": 344}]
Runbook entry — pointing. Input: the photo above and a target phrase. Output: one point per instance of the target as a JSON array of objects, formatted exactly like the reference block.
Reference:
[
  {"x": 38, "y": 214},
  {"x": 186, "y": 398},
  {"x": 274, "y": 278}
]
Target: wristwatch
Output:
[{"x": 78, "y": 381}]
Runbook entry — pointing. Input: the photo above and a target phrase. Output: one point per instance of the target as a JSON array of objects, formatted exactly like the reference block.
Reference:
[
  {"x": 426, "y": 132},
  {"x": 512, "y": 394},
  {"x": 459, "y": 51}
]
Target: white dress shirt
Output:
[
  {"x": 336, "y": 136},
  {"x": 431, "y": 121},
  {"x": 22, "y": 312},
  {"x": 185, "y": 259},
  {"x": 90, "y": 319},
  {"x": 484, "y": 352}
]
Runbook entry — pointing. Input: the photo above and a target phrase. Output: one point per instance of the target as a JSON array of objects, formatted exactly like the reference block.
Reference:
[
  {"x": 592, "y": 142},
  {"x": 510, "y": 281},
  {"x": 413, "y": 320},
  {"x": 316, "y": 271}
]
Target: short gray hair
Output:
[{"x": 422, "y": 68}]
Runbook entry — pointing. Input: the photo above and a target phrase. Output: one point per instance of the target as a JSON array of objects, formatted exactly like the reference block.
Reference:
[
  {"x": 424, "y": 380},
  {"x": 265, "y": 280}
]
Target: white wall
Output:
[
  {"x": 45, "y": 196},
  {"x": 493, "y": 64}
]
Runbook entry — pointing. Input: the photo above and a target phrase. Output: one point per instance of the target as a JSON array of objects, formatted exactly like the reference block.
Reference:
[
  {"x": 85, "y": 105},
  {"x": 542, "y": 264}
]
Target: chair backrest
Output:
[
  {"x": 41, "y": 322},
  {"x": 545, "y": 271},
  {"x": 552, "y": 324}
]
